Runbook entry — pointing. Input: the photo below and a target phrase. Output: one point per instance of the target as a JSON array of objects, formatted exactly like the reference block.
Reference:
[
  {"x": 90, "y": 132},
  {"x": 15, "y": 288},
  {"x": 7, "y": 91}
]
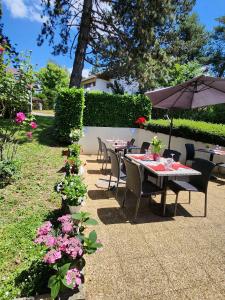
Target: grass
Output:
[{"x": 25, "y": 205}]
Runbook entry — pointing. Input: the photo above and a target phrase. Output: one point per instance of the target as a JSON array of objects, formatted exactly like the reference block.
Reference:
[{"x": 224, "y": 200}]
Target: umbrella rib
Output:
[
  {"x": 214, "y": 88},
  {"x": 170, "y": 95},
  {"x": 177, "y": 99}
]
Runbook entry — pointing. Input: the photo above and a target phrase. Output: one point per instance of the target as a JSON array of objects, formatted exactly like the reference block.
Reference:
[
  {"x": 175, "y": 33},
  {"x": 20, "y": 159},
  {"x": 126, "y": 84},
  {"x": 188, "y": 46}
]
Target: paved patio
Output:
[{"x": 156, "y": 258}]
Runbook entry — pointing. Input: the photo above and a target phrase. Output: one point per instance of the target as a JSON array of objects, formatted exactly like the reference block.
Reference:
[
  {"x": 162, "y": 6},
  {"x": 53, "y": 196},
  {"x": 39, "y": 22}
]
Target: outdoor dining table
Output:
[
  {"x": 212, "y": 152},
  {"x": 119, "y": 145},
  {"x": 159, "y": 169}
]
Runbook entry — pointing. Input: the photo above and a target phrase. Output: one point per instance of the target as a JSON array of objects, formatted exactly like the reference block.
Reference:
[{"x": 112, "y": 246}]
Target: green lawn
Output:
[{"x": 25, "y": 204}]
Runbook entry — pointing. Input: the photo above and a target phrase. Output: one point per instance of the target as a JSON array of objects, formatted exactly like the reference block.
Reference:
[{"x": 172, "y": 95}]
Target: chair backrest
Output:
[
  {"x": 99, "y": 144},
  {"x": 144, "y": 146},
  {"x": 115, "y": 163},
  {"x": 190, "y": 151},
  {"x": 104, "y": 151},
  {"x": 133, "y": 181},
  {"x": 205, "y": 167},
  {"x": 167, "y": 153},
  {"x": 131, "y": 142}
]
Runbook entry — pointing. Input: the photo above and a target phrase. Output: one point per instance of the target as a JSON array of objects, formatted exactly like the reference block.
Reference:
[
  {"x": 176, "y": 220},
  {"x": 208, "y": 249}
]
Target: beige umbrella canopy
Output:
[{"x": 198, "y": 92}]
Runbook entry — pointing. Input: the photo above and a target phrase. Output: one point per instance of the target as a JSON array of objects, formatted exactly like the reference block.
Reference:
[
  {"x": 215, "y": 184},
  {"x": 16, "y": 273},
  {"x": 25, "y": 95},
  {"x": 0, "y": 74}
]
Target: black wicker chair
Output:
[
  {"x": 135, "y": 185},
  {"x": 115, "y": 169},
  {"x": 198, "y": 183},
  {"x": 190, "y": 152}
]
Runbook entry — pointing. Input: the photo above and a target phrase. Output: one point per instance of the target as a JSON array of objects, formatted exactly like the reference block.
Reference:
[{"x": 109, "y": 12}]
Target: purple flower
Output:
[
  {"x": 44, "y": 229},
  {"x": 73, "y": 277},
  {"x": 52, "y": 256},
  {"x": 47, "y": 240}
]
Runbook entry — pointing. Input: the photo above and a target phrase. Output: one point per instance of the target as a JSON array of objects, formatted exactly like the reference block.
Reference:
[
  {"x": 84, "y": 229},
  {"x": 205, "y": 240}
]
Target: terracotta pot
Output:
[
  {"x": 156, "y": 156},
  {"x": 65, "y": 152}
]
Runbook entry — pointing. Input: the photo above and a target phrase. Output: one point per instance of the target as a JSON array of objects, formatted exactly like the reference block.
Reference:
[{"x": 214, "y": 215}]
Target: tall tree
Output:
[
  {"x": 118, "y": 31},
  {"x": 51, "y": 78},
  {"x": 216, "y": 49}
]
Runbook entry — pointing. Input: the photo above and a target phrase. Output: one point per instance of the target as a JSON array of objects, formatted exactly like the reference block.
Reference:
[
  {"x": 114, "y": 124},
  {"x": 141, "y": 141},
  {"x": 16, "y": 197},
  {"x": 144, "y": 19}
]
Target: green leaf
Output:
[
  {"x": 63, "y": 270},
  {"x": 65, "y": 283},
  {"x": 55, "y": 289},
  {"x": 91, "y": 222},
  {"x": 93, "y": 236},
  {"x": 52, "y": 280}
]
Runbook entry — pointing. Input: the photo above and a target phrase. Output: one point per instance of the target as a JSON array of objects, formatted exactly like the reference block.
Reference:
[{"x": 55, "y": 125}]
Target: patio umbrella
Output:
[{"x": 198, "y": 92}]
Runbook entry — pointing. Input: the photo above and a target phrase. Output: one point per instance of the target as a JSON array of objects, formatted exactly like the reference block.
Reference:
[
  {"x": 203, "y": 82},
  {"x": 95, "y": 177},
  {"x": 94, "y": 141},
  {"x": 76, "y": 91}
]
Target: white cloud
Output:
[
  {"x": 25, "y": 9},
  {"x": 85, "y": 72}
]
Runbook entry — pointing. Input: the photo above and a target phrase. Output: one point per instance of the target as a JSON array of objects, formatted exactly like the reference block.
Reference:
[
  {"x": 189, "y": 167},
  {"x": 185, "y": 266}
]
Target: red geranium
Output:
[{"x": 140, "y": 120}]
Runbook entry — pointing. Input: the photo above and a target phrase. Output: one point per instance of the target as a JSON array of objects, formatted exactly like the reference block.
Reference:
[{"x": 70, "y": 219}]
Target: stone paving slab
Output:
[{"x": 156, "y": 258}]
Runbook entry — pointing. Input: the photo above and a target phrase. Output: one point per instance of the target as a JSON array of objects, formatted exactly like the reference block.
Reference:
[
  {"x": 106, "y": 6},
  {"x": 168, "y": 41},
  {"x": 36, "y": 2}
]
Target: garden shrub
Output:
[
  {"x": 68, "y": 112},
  {"x": 111, "y": 110},
  {"x": 194, "y": 130}
]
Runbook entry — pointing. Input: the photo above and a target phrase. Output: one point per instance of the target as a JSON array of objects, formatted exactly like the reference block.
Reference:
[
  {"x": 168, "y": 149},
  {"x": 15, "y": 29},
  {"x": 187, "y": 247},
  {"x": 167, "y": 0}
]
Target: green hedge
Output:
[
  {"x": 68, "y": 112},
  {"x": 112, "y": 110},
  {"x": 194, "y": 130}
]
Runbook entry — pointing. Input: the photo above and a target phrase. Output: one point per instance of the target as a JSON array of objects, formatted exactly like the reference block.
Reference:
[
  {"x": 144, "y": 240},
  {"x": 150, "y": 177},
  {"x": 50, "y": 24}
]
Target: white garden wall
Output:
[{"x": 90, "y": 144}]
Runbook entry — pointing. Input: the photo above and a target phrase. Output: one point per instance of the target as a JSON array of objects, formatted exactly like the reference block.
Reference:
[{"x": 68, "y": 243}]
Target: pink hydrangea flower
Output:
[
  {"x": 47, "y": 240},
  {"x": 20, "y": 117},
  {"x": 71, "y": 246},
  {"x": 73, "y": 277},
  {"x": 65, "y": 218},
  {"x": 33, "y": 125},
  {"x": 44, "y": 229},
  {"x": 52, "y": 256},
  {"x": 67, "y": 227},
  {"x": 29, "y": 134}
]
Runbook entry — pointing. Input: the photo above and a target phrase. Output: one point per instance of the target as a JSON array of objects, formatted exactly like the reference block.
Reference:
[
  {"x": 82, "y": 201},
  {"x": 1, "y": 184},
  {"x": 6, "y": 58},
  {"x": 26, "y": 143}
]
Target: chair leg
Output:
[
  {"x": 137, "y": 207},
  {"x": 98, "y": 154},
  {"x": 175, "y": 207},
  {"x": 103, "y": 165},
  {"x": 189, "y": 197},
  {"x": 109, "y": 181},
  {"x": 124, "y": 198},
  {"x": 117, "y": 187},
  {"x": 205, "y": 213}
]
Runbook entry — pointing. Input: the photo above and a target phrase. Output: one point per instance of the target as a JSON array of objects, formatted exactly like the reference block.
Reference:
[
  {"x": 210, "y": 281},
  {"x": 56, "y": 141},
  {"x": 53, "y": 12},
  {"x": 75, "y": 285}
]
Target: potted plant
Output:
[
  {"x": 72, "y": 165},
  {"x": 141, "y": 121},
  {"x": 73, "y": 191},
  {"x": 156, "y": 146},
  {"x": 64, "y": 246}
]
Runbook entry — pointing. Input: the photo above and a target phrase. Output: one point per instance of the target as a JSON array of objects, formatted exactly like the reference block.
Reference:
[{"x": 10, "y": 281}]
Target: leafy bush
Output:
[
  {"x": 68, "y": 112},
  {"x": 74, "y": 150},
  {"x": 194, "y": 130},
  {"x": 111, "y": 110},
  {"x": 212, "y": 113},
  {"x": 8, "y": 171}
]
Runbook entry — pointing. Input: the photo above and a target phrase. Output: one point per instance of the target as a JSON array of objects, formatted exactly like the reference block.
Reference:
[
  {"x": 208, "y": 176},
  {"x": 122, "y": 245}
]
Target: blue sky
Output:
[{"x": 22, "y": 24}]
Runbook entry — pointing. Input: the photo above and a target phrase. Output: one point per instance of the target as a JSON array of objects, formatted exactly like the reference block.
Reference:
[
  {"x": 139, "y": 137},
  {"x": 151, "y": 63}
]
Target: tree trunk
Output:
[{"x": 83, "y": 37}]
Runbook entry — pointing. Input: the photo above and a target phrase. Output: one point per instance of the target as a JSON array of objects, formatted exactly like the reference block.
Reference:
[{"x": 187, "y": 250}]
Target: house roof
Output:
[{"x": 95, "y": 76}]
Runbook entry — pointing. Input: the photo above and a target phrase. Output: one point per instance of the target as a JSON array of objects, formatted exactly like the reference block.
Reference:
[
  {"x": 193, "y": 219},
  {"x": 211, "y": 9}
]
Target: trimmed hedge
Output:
[
  {"x": 112, "y": 110},
  {"x": 68, "y": 112},
  {"x": 194, "y": 130}
]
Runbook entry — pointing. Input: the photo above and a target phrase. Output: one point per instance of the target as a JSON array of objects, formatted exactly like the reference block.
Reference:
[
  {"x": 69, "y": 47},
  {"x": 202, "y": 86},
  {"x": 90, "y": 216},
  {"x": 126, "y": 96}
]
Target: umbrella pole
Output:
[{"x": 170, "y": 134}]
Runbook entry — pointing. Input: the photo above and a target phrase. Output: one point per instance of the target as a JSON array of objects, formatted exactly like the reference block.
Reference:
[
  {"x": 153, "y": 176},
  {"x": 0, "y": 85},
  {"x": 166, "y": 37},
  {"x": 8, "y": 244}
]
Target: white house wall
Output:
[{"x": 89, "y": 142}]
